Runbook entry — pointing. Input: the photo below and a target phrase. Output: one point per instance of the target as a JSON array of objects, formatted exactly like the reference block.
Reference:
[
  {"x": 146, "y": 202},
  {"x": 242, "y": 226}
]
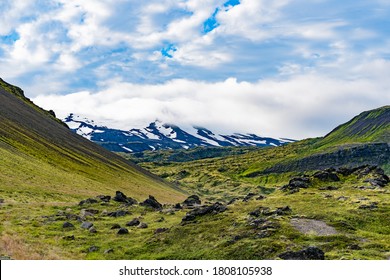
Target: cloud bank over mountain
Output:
[{"x": 281, "y": 68}]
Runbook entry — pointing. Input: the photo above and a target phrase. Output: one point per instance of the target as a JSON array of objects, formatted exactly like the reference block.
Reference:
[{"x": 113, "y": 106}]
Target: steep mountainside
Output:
[
  {"x": 160, "y": 136},
  {"x": 368, "y": 127},
  {"x": 40, "y": 156}
]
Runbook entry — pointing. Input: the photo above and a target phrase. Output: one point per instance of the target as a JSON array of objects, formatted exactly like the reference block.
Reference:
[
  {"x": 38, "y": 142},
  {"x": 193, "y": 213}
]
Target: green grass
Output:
[{"x": 227, "y": 235}]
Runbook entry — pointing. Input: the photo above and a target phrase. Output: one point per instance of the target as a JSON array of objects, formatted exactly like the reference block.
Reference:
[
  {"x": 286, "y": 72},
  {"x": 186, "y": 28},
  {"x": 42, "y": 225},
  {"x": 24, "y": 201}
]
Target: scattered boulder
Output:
[
  {"x": 354, "y": 247},
  {"x": 93, "y": 249},
  {"x": 256, "y": 222},
  {"x": 119, "y": 213},
  {"x": 342, "y": 198},
  {"x": 68, "y": 225},
  {"x": 104, "y": 198},
  {"x": 248, "y": 197},
  {"x": 123, "y": 231},
  {"x": 160, "y": 220},
  {"x": 329, "y": 188},
  {"x": 69, "y": 238},
  {"x": 116, "y": 226},
  {"x": 265, "y": 211},
  {"x": 86, "y": 225},
  {"x": 92, "y": 211},
  {"x": 310, "y": 253},
  {"x": 121, "y": 197},
  {"x": 204, "y": 210},
  {"x": 160, "y": 230},
  {"x": 178, "y": 206},
  {"x": 134, "y": 222},
  {"x": 261, "y": 197},
  {"x": 379, "y": 182},
  {"x": 282, "y": 211},
  {"x": 143, "y": 225},
  {"x": 326, "y": 176},
  {"x": 296, "y": 183},
  {"x": 233, "y": 200},
  {"x": 92, "y": 230},
  {"x": 84, "y": 214},
  {"x": 192, "y": 201},
  {"x": 88, "y": 201},
  {"x": 1, "y": 200},
  {"x": 151, "y": 202},
  {"x": 108, "y": 251},
  {"x": 371, "y": 206}
]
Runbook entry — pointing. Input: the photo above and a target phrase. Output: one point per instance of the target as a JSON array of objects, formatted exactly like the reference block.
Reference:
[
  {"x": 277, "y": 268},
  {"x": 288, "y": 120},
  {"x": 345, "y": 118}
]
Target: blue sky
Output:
[{"x": 279, "y": 68}]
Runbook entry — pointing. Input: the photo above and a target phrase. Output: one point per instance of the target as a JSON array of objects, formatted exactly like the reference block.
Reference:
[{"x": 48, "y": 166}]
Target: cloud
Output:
[
  {"x": 135, "y": 61},
  {"x": 301, "y": 106}
]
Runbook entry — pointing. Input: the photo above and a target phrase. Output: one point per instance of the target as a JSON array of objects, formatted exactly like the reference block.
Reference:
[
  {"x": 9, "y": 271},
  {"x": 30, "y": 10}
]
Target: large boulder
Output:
[
  {"x": 326, "y": 176},
  {"x": 297, "y": 183},
  {"x": 192, "y": 201},
  {"x": 204, "y": 210},
  {"x": 134, "y": 222},
  {"x": 86, "y": 225},
  {"x": 121, "y": 197},
  {"x": 310, "y": 253},
  {"x": 151, "y": 202}
]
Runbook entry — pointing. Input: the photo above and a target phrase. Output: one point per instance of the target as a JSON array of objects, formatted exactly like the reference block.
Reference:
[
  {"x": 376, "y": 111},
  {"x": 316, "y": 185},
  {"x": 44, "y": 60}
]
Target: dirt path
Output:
[{"x": 315, "y": 227}]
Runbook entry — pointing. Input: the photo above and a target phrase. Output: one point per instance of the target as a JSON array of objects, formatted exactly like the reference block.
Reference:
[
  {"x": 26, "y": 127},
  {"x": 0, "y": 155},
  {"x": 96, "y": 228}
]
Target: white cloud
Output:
[{"x": 289, "y": 108}]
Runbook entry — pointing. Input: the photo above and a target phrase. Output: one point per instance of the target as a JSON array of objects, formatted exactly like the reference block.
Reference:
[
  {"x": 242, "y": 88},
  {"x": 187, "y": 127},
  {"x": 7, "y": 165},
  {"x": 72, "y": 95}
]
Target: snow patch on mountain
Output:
[{"x": 159, "y": 135}]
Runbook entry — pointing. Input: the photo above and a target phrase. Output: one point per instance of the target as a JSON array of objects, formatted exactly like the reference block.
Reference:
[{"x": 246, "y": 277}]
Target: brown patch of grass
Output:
[{"x": 16, "y": 248}]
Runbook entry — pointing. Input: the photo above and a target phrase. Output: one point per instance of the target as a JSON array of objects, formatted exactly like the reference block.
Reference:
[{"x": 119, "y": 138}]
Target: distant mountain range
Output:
[{"x": 160, "y": 136}]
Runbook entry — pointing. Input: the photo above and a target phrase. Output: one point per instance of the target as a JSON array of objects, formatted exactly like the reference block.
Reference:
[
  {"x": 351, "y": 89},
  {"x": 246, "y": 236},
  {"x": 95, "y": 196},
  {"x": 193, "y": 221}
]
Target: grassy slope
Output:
[{"x": 43, "y": 164}]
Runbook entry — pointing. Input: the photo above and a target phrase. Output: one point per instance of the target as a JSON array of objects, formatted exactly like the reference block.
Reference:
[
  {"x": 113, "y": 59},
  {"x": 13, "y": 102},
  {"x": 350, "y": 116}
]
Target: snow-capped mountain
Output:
[{"x": 159, "y": 136}]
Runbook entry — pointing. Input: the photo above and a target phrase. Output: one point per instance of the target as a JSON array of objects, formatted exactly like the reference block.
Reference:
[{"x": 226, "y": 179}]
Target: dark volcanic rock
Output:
[
  {"x": 93, "y": 249},
  {"x": 122, "y": 231},
  {"x": 92, "y": 230},
  {"x": 310, "y": 253},
  {"x": 177, "y": 206},
  {"x": 109, "y": 251},
  {"x": 143, "y": 225},
  {"x": 329, "y": 188},
  {"x": 160, "y": 230},
  {"x": 371, "y": 206},
  {"x": 134, "y": 222},
  {"x": 296, "y": 183},
  {"x": 283, "y": 211},
  {"x": 151, "y": 202},
  {"x": 1, "y": 200},
  {"x": 204, "y": 210},
  {"x": 115, "y": 226},
  {"x": 104, "y": 198},
  {"x": 86, "y": 225},
  {"x": 69, "y": 238},
  {"x": 248, "y": 197},
  {"x": 121, "y": 197},
  {"x": 119, "y": 213},
  {"x": 192, "y": 201},
  {"x": 88, "y": 201},
  {"x": 67, "y": 225},
  {"x": 326, "y": 176}
]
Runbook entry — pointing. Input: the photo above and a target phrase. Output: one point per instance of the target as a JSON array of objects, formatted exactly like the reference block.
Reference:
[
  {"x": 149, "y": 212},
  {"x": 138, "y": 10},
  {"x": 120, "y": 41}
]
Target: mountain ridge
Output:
[{"x": 158, "y": 136}]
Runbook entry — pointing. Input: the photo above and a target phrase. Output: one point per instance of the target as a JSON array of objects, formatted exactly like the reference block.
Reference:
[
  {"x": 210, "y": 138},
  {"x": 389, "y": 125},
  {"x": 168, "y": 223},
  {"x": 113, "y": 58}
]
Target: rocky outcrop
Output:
[{"x": 372, "y": 154}]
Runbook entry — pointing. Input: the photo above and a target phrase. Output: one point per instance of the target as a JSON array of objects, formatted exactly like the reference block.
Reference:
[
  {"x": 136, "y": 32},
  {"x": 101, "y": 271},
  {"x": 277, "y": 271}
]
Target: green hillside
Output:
[{"x": 43, "y": 164}]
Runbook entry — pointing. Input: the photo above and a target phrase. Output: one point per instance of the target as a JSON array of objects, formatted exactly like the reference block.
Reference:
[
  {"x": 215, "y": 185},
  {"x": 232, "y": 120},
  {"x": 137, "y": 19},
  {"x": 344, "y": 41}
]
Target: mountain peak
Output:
[{"x": 159, "y": 135}]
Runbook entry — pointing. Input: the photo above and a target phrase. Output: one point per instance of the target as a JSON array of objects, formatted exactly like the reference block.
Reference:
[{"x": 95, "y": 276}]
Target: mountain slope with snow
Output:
[{"x": 158, "y": 136}]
